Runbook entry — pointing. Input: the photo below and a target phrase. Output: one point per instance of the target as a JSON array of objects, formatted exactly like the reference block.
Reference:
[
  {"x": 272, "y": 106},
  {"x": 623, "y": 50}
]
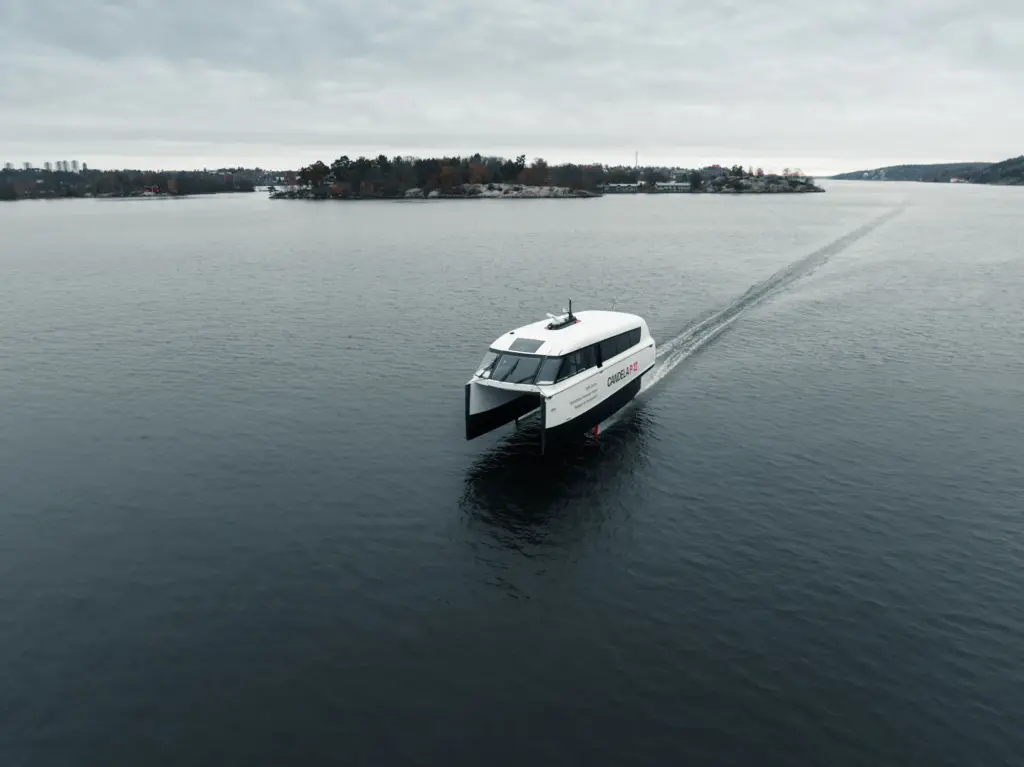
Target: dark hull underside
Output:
[
  {"x": 478, "y": 424},
  {"x": 489, "y": 420}
]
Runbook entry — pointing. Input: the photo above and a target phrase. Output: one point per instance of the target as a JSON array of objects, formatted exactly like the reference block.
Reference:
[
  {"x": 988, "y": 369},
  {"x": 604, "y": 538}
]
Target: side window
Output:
[
  {"x": 618, "y": 344},
  {"x": 577, "y": 362},
  {"x": 549, "y": 370},
  {"x": 569, "y": 367},
  {"x": 609, "y": 348},
  {"x": 588, "y": 357}
]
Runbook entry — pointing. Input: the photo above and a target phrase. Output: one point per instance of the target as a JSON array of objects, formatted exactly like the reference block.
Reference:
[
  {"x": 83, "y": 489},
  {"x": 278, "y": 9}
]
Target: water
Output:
[{"x": 240, "y": 525}]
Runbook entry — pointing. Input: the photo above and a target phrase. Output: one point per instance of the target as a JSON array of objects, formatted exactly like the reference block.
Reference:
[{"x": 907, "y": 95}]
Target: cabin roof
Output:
[{"x": 590, "y": 327}]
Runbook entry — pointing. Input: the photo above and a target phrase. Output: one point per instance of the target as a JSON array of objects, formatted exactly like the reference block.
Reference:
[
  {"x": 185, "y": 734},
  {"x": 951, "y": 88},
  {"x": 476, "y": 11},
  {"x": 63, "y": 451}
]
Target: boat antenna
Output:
[{"x": 570, "y": 309}]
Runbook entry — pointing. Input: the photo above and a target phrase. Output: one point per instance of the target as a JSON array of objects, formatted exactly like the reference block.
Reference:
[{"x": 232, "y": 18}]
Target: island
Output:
[
  {"x": 1005, "y": 173},
  {"x": 718, "y": 180},
  {"x": 480, "y": 177}
]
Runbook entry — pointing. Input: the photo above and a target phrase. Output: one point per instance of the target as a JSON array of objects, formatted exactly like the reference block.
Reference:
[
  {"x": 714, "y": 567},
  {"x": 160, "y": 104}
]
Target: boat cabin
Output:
[{"x": 551, "y": 351}]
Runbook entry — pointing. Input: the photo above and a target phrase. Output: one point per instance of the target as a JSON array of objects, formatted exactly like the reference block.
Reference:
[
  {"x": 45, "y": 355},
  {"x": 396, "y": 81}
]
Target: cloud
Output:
[{"x": 284, "y": 82}]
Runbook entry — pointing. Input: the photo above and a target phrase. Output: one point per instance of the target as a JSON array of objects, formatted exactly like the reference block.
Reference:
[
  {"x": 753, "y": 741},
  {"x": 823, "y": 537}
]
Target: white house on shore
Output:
[
  {"x": 670, "y": 186},
  {"x": 622, "y": 188},
  {"x": 639, "y": 186}
]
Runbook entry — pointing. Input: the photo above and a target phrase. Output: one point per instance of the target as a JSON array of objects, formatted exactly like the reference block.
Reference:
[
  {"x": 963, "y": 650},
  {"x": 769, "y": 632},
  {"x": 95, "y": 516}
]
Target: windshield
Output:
[
  {"x": 515, "y": 368},
  {"x": 509, "y": 367}
]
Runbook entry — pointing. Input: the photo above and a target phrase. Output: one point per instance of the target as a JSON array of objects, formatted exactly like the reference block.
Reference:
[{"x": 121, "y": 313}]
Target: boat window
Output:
[
  {"x": 515, "y": 368},
  {"x": 616, "y": 345},
  {"x": 549, "y": 370},
  {"x": 528, "y": 345},
  {"x": 577, "y": 362},
  {"x": 486, "y": 362},
  {"x": 610, "y": 347}
]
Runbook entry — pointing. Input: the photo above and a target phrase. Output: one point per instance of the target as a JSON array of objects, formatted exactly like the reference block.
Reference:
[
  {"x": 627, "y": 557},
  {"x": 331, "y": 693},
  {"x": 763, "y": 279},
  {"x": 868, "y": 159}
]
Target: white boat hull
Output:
[{"x": 595, "y": 388}]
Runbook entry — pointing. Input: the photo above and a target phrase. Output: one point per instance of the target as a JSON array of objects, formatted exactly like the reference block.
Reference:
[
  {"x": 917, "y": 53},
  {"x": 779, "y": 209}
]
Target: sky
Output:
[{"x": 825, "y": 87}]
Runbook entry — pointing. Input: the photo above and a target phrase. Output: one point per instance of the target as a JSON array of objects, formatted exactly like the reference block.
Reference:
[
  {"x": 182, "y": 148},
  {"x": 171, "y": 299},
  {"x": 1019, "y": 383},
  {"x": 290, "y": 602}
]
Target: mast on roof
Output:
[{"x": 559, "y": 321}]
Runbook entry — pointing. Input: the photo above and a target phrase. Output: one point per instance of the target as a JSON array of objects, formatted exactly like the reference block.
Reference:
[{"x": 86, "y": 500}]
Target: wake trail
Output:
[{"x": 701, "y": 333}]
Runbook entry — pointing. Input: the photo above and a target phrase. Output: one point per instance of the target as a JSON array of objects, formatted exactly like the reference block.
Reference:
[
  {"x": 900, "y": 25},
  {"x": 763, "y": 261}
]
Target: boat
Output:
[{"x": 576, "y": 369}]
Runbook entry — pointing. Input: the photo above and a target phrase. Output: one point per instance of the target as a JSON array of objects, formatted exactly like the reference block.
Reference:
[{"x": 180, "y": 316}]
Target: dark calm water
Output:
[{"x": 239, "y": 524}]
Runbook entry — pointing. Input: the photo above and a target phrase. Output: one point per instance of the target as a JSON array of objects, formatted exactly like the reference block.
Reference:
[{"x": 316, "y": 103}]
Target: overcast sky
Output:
[{"x": 824, "y": 86}]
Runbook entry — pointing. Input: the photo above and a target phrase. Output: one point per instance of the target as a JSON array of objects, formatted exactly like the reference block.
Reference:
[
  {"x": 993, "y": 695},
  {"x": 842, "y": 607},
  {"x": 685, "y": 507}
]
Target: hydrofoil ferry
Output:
[{"x": 576, "y": 369}]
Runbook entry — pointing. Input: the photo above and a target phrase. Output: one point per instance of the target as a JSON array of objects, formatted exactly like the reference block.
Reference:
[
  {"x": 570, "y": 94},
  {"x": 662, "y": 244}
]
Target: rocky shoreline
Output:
[
  {"x": 770, "y": 184},
  {"x": 459, "y": 192}
]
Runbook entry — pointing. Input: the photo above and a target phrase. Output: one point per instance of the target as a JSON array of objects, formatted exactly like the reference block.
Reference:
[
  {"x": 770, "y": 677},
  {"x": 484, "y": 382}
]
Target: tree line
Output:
[
  {"x": 1009, "y": 172},
  {"x": 35, "y": 183},
  {"x": 384, "y": 176}
]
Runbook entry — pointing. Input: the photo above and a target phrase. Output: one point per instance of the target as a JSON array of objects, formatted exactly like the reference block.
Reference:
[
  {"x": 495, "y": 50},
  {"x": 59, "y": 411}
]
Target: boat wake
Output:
[{"x": 698, "y": 335}]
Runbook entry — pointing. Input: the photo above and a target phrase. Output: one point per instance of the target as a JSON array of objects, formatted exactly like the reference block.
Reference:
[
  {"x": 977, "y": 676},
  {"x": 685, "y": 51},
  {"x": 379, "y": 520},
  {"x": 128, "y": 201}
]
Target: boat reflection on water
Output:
[{"x": 524, "y": 498}]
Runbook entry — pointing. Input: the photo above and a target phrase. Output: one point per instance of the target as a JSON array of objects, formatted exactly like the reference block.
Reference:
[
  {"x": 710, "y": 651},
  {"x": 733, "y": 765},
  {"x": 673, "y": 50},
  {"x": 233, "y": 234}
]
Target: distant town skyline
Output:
[{"x": 59, "y": 166}]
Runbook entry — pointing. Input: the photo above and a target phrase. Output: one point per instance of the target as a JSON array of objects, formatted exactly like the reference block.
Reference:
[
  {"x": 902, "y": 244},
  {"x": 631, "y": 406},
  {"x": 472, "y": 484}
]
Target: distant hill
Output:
[
  {"x": 937, "y": 172},
  {"x": 1006, "y": 172}
]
